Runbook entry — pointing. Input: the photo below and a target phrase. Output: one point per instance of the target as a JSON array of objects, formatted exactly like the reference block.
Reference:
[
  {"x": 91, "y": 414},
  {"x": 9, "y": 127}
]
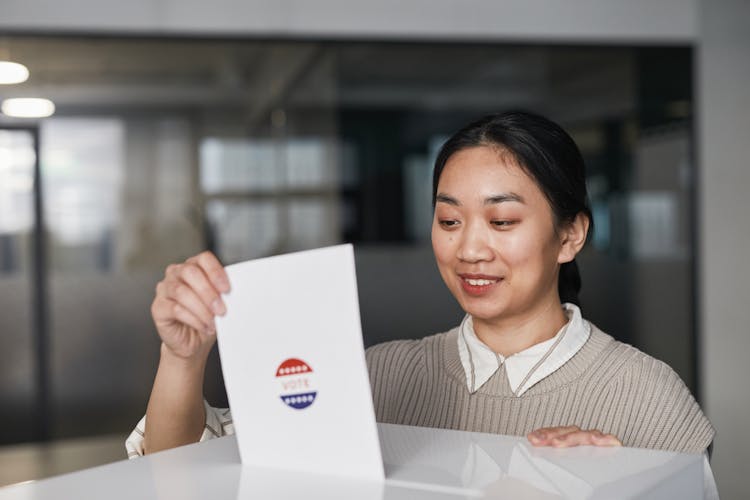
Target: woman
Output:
[{"x": 510, "y": 216}]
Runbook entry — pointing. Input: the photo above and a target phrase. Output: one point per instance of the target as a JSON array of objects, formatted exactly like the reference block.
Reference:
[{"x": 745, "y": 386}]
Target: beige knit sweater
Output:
[{"x": 607, "y": 385}]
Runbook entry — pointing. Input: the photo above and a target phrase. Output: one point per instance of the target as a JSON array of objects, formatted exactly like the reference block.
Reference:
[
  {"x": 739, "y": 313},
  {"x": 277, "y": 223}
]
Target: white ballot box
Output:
[{"x": 419, "y": 464}]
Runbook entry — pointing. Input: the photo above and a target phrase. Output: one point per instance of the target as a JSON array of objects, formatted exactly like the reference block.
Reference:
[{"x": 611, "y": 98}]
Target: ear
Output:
[{"x": 572, "y": 238}]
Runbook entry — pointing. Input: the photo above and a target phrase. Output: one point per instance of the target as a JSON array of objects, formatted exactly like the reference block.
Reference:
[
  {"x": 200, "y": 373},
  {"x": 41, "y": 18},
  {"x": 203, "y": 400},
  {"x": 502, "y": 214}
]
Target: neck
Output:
[{"x": 511, "y": 335}]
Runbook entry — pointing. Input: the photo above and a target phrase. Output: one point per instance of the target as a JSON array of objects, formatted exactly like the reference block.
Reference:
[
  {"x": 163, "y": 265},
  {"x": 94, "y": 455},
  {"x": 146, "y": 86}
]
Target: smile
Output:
[
  {"x": 480, "y": 282},
  {"x": 478, "y": 285}
]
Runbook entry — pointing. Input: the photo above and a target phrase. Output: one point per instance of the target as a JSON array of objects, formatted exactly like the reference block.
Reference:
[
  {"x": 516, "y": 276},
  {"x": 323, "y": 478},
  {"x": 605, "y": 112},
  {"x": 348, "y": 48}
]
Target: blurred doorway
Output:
[{"x": 24, "y": 380}]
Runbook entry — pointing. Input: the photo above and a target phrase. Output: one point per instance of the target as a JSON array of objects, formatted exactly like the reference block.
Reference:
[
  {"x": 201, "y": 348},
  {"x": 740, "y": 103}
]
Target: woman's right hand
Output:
[{"x": 187, "y": 301}]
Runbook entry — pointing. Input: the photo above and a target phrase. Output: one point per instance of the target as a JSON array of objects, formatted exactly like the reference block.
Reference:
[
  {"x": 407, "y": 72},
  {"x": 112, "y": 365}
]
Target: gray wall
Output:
[
  {"x": 393, "y": 282},
  {"x": 595, "y": 20},
  {"x": 717, "y": 28},
  {"x": 724, "y": 244}
]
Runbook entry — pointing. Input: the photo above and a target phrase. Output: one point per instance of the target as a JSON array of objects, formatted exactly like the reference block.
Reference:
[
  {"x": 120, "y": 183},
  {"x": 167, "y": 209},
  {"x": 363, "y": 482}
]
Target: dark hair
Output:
[{"x": 548, "y": 155}]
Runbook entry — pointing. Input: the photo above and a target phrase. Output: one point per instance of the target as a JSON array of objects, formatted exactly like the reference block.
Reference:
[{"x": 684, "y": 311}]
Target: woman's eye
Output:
[
  {"x": 502, "y": 223},
  {"x": 448, "y": 223}
]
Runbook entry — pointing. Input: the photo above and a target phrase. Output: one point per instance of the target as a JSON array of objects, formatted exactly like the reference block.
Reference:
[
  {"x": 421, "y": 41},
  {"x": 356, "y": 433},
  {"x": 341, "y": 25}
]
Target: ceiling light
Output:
[
  {"x": 28, "y": 107},
  {"x": 12, "y": 72}
]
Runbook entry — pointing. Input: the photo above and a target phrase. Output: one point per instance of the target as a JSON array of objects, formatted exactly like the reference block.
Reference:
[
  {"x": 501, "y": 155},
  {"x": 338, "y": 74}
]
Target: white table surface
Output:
[{"x": 420, "y": 464}]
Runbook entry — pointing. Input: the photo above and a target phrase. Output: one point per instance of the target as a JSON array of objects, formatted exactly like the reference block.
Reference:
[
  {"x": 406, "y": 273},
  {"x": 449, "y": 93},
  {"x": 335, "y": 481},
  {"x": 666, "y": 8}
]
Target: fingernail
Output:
[
  {"x": 218, "y": 307},
  {"x": 223, "y": 284},
  {"x": 612, "y": 441}
]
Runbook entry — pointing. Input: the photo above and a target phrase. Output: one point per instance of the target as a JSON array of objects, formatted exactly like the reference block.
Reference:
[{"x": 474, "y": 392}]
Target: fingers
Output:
[
  {"x": 544, "y": 436},
  {"x": 598, "y": 438},
  {"x": 183, "y": 300},
  {"x": 167, "y": 310},
  {"x": 190, "y": 293},
  {"x": 197, "y": 281},
  {"x": 583, "y": 438},
  {"x": 563, "y": 437},
  {"x": 211, "y": 266}
]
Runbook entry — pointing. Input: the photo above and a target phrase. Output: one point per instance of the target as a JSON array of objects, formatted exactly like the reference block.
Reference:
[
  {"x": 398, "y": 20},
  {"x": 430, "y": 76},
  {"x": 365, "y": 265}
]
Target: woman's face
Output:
[{"x": 494, "y": 238}]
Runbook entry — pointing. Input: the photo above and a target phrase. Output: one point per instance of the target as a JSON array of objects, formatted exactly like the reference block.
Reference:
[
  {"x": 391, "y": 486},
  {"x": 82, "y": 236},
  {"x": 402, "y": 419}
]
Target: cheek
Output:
[
  {"x": 442, "y": 245},
  {"x": 516, "y": 248},
  {"x": 529, "y": 247}
]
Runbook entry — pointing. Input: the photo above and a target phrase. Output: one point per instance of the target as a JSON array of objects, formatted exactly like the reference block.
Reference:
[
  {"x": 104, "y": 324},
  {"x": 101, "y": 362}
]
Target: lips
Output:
[{"x": 478, "y": 284}]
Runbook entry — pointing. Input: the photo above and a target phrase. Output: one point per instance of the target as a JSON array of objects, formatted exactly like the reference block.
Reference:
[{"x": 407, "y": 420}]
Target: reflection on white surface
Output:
[
  {"x": 420, "y": 464},
  {"x": 491, "y": 466},
  {"x": 194, "y": 474},
  {"x": 519, "y": 476},
  {"x": 294, "y": 485}
]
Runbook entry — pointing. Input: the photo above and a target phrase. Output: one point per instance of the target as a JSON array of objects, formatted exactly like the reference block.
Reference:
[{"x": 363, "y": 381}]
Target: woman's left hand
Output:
[{"x": 564, "y": 437}]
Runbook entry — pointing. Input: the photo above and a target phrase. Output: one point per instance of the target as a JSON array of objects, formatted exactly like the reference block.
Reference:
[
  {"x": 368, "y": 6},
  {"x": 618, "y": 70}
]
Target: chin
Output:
[{"x": 485, "y": 313}]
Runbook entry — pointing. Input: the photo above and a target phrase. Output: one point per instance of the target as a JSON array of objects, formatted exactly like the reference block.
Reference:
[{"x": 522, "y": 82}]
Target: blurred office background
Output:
[{"x": 275, "y": 128}]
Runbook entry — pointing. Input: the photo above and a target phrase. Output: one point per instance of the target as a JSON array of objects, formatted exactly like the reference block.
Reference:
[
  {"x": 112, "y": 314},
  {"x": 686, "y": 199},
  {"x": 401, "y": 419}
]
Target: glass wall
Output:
[
  {"x": 17, "y": 341},
  {"x": 162, "y": 148}
]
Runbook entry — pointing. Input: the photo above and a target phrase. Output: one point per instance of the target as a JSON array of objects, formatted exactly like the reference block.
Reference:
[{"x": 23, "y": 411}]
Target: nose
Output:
[{"x": 475, "y": 245}]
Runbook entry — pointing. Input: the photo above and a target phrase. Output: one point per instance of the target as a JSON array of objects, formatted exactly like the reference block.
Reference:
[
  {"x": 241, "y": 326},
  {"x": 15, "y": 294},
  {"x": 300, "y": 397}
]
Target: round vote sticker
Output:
[{"x": 296, "y": 383}]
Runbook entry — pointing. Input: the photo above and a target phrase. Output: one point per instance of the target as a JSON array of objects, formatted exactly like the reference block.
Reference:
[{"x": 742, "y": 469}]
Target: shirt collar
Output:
[{"x": 480, "y": 362}]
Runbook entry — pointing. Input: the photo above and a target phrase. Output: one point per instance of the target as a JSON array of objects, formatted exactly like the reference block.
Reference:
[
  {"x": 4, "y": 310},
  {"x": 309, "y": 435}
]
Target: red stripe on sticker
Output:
[{"x": 293, "y": 366}]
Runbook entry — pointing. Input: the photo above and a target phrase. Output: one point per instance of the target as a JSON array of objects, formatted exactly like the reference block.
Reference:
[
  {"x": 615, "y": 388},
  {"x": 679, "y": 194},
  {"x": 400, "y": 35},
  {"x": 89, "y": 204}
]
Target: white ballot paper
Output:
[{"x": 294, "y": 366}]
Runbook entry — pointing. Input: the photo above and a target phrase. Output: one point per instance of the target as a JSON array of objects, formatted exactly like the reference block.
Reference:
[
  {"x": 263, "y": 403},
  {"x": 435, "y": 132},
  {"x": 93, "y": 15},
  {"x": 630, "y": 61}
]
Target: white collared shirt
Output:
[{"x": 525, "y": 368}]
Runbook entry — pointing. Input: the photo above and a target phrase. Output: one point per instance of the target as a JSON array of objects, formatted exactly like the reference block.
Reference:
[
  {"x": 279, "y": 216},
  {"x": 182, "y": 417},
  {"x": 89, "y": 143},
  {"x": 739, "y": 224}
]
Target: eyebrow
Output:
[{"x": 491, "y": 200}]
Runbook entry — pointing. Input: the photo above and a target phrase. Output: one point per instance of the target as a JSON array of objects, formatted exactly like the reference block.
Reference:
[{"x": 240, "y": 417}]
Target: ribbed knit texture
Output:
[{"x": 607, "y": 385}]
